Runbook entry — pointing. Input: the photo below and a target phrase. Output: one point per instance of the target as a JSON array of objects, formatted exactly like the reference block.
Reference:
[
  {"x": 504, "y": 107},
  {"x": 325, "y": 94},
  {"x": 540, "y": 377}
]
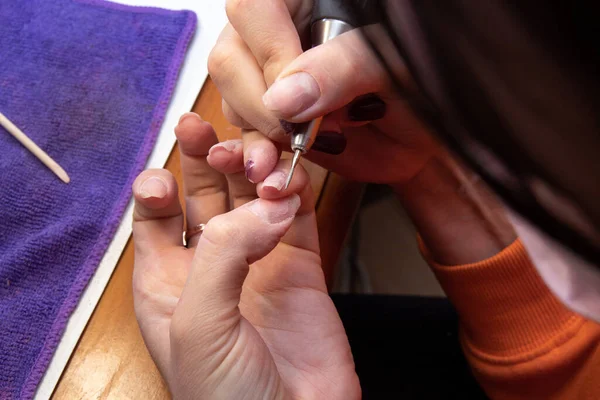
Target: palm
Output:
[
  {"x": 285, "y": 299},
  {"x": 156, "y": 293},
  {"x": 287, "y": 316}
]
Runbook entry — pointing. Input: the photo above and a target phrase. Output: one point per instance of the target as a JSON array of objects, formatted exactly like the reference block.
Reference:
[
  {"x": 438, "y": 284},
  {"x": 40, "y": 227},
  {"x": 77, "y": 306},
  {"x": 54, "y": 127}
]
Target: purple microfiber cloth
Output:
[{"x": 89, "y": 81}]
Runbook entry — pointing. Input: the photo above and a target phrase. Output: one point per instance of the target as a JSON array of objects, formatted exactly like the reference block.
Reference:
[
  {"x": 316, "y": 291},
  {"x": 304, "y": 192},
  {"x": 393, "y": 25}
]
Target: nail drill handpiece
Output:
[{"x": 329, "y": 20}]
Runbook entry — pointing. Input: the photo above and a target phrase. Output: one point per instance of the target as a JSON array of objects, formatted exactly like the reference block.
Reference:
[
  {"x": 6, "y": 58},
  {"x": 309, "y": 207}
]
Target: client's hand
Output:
[{"x": 244, "y": 311}]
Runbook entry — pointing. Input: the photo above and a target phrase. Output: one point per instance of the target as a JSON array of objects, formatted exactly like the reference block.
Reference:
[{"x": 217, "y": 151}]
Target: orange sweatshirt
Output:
[{"x": 521, "y": 342}]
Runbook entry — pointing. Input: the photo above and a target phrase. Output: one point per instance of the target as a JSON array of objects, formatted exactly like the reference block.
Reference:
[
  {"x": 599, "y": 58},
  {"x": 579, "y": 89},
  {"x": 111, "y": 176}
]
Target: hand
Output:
[
  {"x": 262, "y": 49},
  {"x": 244, "y": 311}
]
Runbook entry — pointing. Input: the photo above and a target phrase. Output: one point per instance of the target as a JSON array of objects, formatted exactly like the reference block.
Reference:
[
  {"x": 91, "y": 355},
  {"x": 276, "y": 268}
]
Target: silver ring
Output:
[{"x": 195, "y": 230}]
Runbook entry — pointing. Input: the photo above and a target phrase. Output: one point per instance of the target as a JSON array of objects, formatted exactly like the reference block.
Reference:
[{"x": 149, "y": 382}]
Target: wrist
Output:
[{"x": 458, "y": 218}]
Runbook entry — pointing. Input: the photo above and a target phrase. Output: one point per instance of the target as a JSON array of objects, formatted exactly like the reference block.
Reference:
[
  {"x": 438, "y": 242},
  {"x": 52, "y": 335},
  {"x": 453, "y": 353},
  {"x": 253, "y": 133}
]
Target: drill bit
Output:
[
  {"x": 297, "y": 155},
  {"x": 302, "y": 139}
]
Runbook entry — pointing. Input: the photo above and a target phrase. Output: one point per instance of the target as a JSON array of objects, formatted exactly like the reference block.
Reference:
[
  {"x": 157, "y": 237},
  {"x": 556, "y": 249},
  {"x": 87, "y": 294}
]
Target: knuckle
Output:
[
  {"x": 233, "y": 117},
  {"x": 235, "y": 7},
  {"x": 272, "y": 68},
  {"x": 220, "y": 231},
  {"x": 271, "y": 52},
  {"x": 274, "y": 56},
  {"x": 219, "y": 60}
]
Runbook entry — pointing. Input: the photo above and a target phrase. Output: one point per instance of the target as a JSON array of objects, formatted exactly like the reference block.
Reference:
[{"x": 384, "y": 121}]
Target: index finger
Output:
[{"x": 268, "y": 29}]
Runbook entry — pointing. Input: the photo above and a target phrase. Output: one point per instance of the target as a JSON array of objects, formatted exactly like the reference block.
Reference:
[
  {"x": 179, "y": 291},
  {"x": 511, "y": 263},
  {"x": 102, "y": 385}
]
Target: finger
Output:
[
  {"x": 273, "y": 188},
  {"x": 325, "y": 78},
  {"x": 407, "y": 143},
  {"x": 205, "y": 189},
  {"x": 240, "y": 81},
  {"x": 234, "y": 118},
  {"x": 157, "y": 215},
  {"x": 351, "y": 154},
  {"x": 227, "y": 158},
  {"x": 208, "y": 307},
  {"x": 269, "y": 31},
  {"x": 365, "y": 144},
  {"x": 157, "y": 228},
  {"x": 260, "y": 155},
  {"x": 363, "y": 110}
]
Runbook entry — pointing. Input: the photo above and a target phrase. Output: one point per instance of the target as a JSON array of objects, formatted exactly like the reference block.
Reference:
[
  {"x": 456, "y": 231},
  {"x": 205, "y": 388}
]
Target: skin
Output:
[
  {"x": 218, "y": 327},
  {"x": 244, "y": 312},
  {"x": 261, "y": 48},
  {"x": 458, "y": 218}
]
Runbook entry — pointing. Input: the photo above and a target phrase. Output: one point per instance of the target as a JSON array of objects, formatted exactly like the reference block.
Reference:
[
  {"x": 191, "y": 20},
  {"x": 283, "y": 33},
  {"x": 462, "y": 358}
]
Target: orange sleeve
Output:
[{"x": 521, "y": 342}]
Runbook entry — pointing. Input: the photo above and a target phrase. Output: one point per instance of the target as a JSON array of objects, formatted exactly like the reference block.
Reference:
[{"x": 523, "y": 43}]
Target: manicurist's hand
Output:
[
  {"x": 265, "y": 77},
  {"x": 243, "y": 311},
  {"x": 268, "y": 83}
]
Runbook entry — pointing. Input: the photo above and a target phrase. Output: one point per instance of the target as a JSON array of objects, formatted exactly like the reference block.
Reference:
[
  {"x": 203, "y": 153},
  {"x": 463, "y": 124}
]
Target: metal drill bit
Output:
[{"x": 297, "y": 155}]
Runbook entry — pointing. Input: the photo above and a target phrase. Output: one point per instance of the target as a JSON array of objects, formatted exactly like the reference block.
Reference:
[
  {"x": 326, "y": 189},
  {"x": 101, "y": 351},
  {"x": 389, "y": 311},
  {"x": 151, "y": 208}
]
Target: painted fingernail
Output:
[
  {"x": 253, "y": 155},
  {"x": 248, "y": 168},
  {"x": 276, "y": 180},
  {"x": 367, "y": 108},
  {"x": 287, "y": 126},
  {"x": 293, "y": 94},
  {"x": 330, "y": 143},
  {"x": 188, "y": 116},
  {"x": 153, "y": 187},
  {"x": 276, "y": 211}
]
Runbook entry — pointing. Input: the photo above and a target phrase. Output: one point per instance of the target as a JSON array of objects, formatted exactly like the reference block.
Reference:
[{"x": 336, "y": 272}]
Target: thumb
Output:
[
  {"x": 326, "y": 78},
  {"x": 228, "y": 244}
]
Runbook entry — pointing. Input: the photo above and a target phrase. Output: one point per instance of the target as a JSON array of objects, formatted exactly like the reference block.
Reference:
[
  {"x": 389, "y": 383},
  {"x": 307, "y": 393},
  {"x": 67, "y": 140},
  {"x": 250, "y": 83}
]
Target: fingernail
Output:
[
  {"x": 274, "y": 212},
  {"x": 287, "y": 126},
  {"x": 330, "y": 143},
  {"x": 367, "y": 108},
  {"x": 153, "y": 187},
  {"x": 293, "y": 94},
  {"x": 188, "y": 116},
  {"x": 276, "y": 180},
  {"x": 248, "y": 169},
  {"x": 217, "y": 149},
  {"x": 228, "y": 146},
  {"x": 253, "y": 154}
]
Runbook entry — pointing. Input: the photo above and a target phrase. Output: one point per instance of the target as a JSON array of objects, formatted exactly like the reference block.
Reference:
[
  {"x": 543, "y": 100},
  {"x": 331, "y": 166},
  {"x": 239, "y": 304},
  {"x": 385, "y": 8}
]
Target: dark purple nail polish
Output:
[
  {"x": 287, "y": 126},
  {"x": 367, "y": 108},
  {"x": 248, "y": 168},
  {"x": 330, "y": 143}
]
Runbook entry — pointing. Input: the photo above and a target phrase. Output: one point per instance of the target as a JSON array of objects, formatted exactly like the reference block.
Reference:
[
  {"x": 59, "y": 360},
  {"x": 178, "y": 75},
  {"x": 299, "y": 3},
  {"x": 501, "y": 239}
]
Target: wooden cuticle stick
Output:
[{"x": 34, "y": 148}]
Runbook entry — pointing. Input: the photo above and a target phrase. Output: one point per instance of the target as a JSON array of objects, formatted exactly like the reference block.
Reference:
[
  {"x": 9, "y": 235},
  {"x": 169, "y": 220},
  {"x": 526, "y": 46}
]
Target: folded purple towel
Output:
[{"x": 89, "y": 81}]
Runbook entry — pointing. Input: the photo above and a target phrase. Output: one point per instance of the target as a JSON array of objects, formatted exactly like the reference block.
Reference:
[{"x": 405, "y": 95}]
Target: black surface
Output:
[{"x": 406, "y": 347}]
